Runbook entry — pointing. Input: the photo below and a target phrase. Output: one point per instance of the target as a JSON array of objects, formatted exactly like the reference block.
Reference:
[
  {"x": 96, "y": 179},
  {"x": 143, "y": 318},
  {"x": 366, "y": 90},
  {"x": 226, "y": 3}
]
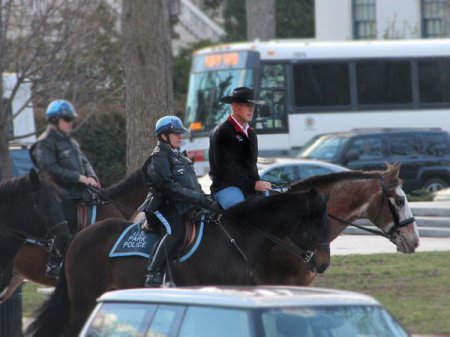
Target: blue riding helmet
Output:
[
  {"x": 169, "y": 124},
  {"x": 60, "y": 109}
]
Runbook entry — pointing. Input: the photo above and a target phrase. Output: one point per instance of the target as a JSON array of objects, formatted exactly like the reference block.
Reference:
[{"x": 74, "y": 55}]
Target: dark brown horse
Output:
[
  {"x": 376, "y": 196},
  {"x": 89, "y": 272},
  {"x": 118, "y": 201},
  {"x": 29, "y": 207}
]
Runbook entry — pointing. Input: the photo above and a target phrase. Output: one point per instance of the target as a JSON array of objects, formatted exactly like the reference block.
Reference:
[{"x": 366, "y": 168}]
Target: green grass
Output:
[{"x": 415, "y": 288}]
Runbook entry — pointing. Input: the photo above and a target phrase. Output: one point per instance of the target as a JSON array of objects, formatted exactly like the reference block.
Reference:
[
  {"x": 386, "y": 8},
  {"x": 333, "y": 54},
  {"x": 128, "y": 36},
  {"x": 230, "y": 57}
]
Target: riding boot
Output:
[{"x": 156, "y": 268}]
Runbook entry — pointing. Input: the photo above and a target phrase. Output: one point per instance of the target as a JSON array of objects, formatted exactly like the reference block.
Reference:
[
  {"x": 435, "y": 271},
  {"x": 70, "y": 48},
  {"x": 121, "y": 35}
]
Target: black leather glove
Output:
[{"x": 209, "y": 203}]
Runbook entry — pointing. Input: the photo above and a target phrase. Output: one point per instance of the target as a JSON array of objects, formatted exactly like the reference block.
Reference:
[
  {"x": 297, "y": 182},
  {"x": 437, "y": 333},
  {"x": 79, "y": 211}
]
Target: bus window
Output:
[
  {"x": 384, "y": 82},
  {"x": 272, "y": 115},
  {"x": 321, "y": 84},
  {"x": 434, "y": 81}
]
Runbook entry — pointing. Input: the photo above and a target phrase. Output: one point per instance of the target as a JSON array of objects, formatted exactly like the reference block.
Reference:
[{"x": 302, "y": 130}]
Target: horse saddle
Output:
[{"x": 87, "y": 209}]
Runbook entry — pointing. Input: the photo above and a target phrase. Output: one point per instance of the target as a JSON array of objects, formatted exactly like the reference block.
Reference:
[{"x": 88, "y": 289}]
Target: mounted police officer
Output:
[
  {"x": 60, "y": 155},
  {"x": 174, "y": 194}
]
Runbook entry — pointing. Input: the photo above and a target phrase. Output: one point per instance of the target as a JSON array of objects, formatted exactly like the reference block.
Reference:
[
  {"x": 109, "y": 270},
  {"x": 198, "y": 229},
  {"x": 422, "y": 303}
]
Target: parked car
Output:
[
  {"x": 284, "y": 171},
  {"x": 424, "y": 154},
  {"x": 276, "y": 311},
  {"x": 20, "y": 160}
]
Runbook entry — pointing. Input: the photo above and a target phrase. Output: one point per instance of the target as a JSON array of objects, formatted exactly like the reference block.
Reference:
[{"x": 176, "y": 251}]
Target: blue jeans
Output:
[{"x": 229, "y": 196}]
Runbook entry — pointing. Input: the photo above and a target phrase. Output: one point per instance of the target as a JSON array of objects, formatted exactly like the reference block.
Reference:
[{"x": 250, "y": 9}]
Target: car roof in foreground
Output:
[{"x": 242, "y": 297}]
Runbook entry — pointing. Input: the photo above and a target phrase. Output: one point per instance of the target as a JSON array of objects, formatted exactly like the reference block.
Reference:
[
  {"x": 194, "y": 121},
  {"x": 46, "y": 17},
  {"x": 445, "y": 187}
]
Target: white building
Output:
[{"x": 381, "y": 19}]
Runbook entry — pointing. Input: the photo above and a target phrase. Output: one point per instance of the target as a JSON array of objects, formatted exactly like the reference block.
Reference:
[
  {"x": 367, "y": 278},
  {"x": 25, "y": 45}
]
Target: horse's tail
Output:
[{"x": 52, "y": 316}]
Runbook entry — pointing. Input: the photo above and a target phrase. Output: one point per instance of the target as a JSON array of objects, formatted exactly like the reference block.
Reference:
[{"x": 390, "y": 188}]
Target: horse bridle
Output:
[
  {"x": 21, "y": 235},
  {"x": 397, "y": 223}
]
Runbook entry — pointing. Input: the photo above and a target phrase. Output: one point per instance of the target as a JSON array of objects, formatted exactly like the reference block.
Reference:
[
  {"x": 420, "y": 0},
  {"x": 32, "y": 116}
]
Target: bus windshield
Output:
[{"x": 204, "y": 110}]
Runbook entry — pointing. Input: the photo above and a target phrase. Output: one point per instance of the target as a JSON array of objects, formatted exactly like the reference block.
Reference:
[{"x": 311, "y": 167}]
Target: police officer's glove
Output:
[{"x": 209, "y": 203}]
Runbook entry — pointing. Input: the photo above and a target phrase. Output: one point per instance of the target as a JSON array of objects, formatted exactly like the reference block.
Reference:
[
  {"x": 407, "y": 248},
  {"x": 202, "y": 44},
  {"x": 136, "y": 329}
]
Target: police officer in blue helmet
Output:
[
  {"x": 174, "y": 194},
  {"x": 60, "y": 155}
]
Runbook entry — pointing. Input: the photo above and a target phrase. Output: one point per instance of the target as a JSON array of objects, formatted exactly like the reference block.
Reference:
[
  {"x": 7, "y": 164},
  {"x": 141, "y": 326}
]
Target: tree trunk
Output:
[
  {"x": 260, "y": 19},
  {"x": 148, "y": 73},
  {"x": 5, "y": 160}
]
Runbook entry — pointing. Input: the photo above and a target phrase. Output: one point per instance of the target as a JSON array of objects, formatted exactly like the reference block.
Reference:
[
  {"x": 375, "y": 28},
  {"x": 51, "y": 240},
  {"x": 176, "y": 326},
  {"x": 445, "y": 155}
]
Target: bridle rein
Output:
[{"x": 395, "y": 217}]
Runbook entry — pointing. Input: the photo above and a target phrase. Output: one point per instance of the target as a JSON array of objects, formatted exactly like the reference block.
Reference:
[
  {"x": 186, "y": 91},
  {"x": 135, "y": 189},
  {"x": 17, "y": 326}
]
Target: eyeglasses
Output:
[{"x": 67, "y": 119}]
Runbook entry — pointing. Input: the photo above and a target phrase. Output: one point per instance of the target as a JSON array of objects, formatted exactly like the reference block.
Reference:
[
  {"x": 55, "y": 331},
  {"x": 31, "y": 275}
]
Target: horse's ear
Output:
[
  {"x": 35, "y": 180},
  {"x": 392, "y": 171}
]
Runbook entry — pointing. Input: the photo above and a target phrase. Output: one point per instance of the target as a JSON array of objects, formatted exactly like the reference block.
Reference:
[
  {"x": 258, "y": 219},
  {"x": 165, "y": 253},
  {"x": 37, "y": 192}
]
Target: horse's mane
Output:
[
  {"x": 21, "y": 185},
  {"x": 14, "y": 186},
  {"x": 129, "y": 181},
  {"x": 331, "y": 178}
]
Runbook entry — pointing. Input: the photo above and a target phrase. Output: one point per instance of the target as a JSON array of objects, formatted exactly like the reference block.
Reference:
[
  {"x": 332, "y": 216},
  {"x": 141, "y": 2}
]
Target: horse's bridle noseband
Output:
[{"x": 397, "y": 223}]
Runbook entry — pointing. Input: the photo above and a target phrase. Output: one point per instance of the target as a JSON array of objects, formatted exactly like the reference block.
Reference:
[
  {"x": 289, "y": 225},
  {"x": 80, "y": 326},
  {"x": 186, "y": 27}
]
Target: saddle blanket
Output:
[{"x": 134, "y": 242}]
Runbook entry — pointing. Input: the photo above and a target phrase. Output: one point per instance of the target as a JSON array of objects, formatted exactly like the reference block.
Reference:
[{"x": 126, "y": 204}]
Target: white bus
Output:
[
  {"x": 313, "y": 87},
  {"x": 22, "y": 126}
]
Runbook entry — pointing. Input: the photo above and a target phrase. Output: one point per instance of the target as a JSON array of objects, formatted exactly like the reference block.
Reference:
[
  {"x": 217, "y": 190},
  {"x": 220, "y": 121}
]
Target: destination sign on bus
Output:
[{"x": 219, "y": 61}]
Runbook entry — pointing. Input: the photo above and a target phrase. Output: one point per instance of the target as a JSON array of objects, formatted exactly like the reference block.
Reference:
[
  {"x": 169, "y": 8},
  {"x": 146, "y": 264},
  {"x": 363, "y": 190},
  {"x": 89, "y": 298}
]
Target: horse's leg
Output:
[{"x": 30, "y": 262}]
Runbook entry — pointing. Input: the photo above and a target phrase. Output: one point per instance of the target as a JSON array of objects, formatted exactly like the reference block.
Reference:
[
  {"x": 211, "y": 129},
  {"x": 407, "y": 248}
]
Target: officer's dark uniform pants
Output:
[
  {"x": 70, "y": 213},
  {"x": 173, "y": 227}
]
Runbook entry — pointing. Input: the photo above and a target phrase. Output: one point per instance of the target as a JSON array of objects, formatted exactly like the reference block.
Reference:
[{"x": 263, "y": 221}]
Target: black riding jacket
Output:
[
  {"x": 233, "y": 157},
  {"x": 62, "y": 157},
  {"x": 171, "y": 173}
]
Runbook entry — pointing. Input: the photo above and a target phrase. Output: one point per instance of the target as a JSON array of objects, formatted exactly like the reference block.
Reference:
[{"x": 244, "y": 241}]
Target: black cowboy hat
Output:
[{"x": 241, "y": 95}]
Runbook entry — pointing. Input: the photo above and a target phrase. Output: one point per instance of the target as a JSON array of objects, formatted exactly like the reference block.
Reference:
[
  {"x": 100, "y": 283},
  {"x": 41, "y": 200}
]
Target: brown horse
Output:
[
  {"x": 118, "y": 201},
  {"x": 29, "y": 207},
  {"x": 376, "y": 196},
  {"x": 256, "y": 225}
]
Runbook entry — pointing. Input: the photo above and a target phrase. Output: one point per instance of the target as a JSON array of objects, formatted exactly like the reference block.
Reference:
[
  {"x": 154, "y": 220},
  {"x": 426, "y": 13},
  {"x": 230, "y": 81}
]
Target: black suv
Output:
[{"x": 424, "y": 154}]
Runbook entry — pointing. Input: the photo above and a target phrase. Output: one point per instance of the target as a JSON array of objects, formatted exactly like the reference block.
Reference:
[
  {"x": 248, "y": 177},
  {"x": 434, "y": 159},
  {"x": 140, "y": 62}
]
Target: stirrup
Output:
[
  {"x": 52, "y": 271},
  {"x": 154, "y": 279}
]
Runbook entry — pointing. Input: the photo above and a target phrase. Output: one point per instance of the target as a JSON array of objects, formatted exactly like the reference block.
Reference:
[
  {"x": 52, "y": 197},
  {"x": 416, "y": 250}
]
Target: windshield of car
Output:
[
  {"x": 323, "y": 147},
  {"x": 331, "y": 321},
  {"x": 204, "y": 110}
]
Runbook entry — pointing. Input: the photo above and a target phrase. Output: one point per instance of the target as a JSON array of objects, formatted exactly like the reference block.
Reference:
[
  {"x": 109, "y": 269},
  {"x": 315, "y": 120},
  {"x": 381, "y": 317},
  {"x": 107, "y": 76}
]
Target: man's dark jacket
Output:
[
  {"x": 172, "y": 174},
  {"x": 233, "y": 157},
  {"x": 62, "y": 157}
]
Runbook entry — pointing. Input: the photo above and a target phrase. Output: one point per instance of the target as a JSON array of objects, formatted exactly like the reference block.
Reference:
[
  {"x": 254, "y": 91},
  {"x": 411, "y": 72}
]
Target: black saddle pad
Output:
[{"x": 134, "y": 242}]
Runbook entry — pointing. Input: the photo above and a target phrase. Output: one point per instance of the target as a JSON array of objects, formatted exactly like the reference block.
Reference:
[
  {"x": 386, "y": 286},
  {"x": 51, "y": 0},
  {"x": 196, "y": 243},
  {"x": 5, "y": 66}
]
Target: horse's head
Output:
[
  {"x": 392, "y": 213},
  {"x": 313, "y": 235},
  {"x": 41, "y": 206}
]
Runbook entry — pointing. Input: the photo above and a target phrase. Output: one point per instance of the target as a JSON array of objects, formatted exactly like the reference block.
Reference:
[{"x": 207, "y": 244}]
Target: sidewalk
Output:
[{"x": 373, "y": 244}]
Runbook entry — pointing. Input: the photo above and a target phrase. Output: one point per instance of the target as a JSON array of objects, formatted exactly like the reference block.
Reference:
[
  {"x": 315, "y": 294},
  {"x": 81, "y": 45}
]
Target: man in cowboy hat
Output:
[{"x": 233, "y": 152}]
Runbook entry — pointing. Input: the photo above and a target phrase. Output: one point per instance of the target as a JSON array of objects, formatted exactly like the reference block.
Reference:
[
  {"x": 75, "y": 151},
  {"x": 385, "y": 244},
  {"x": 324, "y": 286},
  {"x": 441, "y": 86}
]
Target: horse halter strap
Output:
[{"x": 397, "y": 223}]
